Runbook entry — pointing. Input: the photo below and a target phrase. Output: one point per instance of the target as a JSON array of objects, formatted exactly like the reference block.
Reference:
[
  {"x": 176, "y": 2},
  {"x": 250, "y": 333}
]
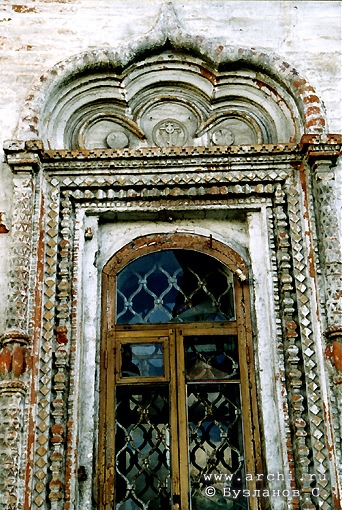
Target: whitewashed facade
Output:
[{"x": 129, "y": 129}]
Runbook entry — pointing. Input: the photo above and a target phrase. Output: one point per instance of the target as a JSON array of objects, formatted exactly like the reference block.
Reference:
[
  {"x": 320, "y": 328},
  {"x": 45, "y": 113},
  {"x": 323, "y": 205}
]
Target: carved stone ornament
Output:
[
  {"x": 117, "y": 140},
  {"x": 170, "y": 133},
  {"x": 223, "y": 136},
  {"x": 236, "y": 177}
]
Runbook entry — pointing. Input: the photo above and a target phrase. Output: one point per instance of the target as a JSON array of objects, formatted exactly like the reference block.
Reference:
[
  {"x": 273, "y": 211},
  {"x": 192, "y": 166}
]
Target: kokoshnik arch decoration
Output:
[
  {"x": 167, "y": 130},
  {"x": 146, "y": 94},
  {"x": 161, "y": 102}
]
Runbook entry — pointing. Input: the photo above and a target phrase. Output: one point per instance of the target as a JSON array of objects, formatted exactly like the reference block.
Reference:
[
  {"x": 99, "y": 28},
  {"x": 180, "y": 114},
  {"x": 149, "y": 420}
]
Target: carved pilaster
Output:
[
  {"x": 293, "y": 356},
  {"x": 15, "y": 342},
  {"x": 57, "y": 489},
  {"x": 14, "y": 361},
  {"x": 23, "y": 163},
  {"x": 326, "y": 189}
]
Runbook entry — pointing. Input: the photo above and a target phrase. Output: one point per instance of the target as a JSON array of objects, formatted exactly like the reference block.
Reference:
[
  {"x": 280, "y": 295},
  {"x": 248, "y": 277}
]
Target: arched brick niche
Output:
[{"x": 167, "y": 94}]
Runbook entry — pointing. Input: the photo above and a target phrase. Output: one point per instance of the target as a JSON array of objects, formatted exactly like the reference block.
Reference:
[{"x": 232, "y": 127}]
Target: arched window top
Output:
[{"x": 174, "y": 285}]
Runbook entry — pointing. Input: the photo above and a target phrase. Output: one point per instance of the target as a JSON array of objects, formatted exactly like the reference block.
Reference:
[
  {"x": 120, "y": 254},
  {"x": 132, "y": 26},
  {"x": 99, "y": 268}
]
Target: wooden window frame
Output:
[
  {"x": 139, "y": 336},
  {"x": 113, "y": 335}
]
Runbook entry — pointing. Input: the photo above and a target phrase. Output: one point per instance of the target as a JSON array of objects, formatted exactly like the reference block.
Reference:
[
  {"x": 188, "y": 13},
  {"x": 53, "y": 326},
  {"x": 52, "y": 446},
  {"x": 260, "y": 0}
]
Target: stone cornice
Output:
[
  {"x": 26, "y": 156},
  {"x": 23, "y": 156},
  {"x": 321, "y": 147}
]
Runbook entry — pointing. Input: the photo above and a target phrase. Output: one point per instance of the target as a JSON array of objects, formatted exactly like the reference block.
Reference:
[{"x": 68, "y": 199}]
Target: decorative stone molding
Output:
[
  {"x": 325, "y": 193},
  {"x": 82, "y": 89},
  {"x": 15, "y": 348},
  {"x": 139, "y": 179},
  {"x": 14, "y": 360},
  {"x": 11, "y": 412},
  {"x": 20, "y": 254}
]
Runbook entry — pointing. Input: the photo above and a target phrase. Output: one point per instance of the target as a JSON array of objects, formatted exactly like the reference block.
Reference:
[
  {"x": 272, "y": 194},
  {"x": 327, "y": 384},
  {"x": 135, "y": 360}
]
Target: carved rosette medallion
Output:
[
  {"x": 170, "y": 133},
  {"x": 117, "y": 140},
  {"x": 223, "y": 136}
]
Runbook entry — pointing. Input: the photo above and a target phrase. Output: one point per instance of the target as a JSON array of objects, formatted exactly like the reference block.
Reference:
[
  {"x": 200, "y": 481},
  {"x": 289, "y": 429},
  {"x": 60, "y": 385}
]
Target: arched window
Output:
[
  {"x": 174, "y": 286},
  {"x": 178, "y": 393}
]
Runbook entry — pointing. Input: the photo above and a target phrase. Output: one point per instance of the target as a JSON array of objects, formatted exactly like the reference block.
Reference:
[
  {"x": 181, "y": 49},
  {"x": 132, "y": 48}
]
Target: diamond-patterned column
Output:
[
  {"x": 330, "y": 250},
  {"x": 62, "y": 352},
  {"x": 293, "y": 353},
  {"x": 43, "y": 464},
  {"x": 326, "y": 189},
  {"x": 15, "y": 342},
  {"x": 310, "y": 348},
  {"x": 12, "y": 395}
]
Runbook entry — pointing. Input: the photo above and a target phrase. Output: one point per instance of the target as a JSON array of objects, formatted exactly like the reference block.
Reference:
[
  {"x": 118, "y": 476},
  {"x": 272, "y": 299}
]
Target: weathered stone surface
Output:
[{"x": 219, "y": 119}]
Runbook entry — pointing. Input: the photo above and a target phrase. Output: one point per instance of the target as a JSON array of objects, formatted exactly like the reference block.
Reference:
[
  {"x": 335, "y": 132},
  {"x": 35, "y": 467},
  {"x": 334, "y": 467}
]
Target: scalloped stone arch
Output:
[{"x": 308, "y": 111}]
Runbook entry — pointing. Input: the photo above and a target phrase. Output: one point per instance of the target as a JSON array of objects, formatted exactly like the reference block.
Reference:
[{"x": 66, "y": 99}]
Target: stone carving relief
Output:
[
  {"x": 100, "y": 126},
  {"x": 117, "y": 140},
  {"x": 167, "y": 122},
  {"x": 165, "y": 103},
  {"x": 170, "y": 133},
  {"x": 223, "y": 136},
  {"x": 103, "y": 133},
  {"x": 236, "y": 130}
]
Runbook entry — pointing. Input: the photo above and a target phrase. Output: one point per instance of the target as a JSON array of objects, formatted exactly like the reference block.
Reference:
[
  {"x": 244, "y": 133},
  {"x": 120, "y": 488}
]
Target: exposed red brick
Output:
[
  {"x": 61, "y": 337},
  {"x": 312, "y": 110},
  {"x": 312, "y": 98},
  {"x": 18, "y": 360},
  {"x": 5, "y": 360},
  {"x": 57, "y": 429},
  {"x": 299, "y": 83},
  {"x": 315, "y": 122},
  {"x": 291, "y": 329},
  {"x": 3, "y": 229},
  {"x": 207, "y": 74},
  {"x": 337, "y": 355},
  {"x": 309, "y": 88},
  {"x": 23, "y": 8},
  {"x": 57, "y": 439}
]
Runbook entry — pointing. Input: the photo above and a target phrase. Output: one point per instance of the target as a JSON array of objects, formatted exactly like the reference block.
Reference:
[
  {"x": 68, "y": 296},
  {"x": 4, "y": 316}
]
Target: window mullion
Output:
[
  {"x": 175, "y": 473},
  {"x": 182, "y": 421}
]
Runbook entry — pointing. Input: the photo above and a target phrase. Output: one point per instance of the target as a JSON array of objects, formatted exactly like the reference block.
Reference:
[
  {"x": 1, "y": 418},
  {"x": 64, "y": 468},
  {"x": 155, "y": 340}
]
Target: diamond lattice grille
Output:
[
  {"x": 174, "y": 286},
  {"x": 143, "y": 449},
  {"x": 215, "y": 444}
]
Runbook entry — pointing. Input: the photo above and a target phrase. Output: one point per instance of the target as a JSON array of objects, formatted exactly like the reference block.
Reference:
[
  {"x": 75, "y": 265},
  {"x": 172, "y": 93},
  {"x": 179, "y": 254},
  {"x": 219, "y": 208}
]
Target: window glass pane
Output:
[
  {"x": 211, "y": 357},
  {"x": 215, "y": 445},
  {"x": 174, "y": 286},
  {"x": 142, "y": 359},
  {"x": 142, "y": 446}
]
